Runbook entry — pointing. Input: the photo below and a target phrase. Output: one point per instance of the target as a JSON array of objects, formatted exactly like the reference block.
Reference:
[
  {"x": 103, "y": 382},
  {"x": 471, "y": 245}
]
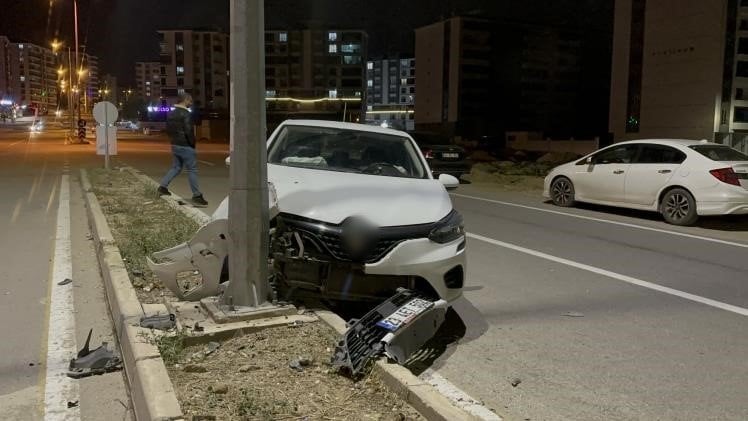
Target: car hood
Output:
[{"x": 331, "y": 197}]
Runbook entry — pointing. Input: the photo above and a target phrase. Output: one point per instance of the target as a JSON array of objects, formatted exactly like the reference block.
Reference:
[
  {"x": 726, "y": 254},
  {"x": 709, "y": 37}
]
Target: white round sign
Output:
[{"x": 105, "y": 113}]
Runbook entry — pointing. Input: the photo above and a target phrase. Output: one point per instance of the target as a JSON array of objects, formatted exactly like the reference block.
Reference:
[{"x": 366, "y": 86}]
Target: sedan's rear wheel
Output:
[
  {"x": 562, "y": 192},
  {"x": 678, "y": 207}
]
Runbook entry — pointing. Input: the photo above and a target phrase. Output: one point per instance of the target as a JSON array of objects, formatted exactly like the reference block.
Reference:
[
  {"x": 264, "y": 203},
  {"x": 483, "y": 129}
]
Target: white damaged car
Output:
[{"x": 355, "y": 215}]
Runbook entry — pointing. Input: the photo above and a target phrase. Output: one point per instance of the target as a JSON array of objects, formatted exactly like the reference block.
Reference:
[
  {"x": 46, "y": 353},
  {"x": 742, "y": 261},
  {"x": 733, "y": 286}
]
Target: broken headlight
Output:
[{"x": 448, "y": 229}]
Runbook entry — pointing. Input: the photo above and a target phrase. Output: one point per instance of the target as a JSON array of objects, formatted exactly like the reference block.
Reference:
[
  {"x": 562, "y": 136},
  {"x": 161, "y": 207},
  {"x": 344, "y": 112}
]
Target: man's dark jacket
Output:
[{"x": 179, "y": 127}]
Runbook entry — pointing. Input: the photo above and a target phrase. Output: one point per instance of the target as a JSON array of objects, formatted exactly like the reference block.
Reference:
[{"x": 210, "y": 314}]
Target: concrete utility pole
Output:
[{"x": 248, "y": 198}]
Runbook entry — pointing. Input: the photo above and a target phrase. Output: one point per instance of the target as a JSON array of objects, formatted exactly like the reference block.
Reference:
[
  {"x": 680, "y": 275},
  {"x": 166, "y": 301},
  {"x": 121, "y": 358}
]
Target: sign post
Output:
[{"x": 105, "y": 113}]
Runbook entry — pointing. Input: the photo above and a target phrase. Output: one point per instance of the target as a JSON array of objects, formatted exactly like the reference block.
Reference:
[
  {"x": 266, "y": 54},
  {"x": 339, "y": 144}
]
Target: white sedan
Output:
[{"x": 681, "y": 179}]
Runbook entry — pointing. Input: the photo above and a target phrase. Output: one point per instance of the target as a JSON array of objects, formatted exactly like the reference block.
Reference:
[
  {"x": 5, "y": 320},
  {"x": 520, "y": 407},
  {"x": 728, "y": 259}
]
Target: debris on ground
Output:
[
  {"x": 261, "y": 386},
  {"x": 194, "y": 368},
  {"x": 159, "y": 321},
  {"x": 73, "y": 404},
  {"x": 65, "y": 281},
  {"x": 573, "y": 314},
  {"x": 99, "y": 361},
  {"x": 516, "y": 382}
]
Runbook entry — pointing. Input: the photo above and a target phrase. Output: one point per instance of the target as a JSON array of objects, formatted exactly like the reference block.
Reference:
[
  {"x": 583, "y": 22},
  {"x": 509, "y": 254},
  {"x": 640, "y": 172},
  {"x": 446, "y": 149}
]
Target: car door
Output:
[
  {"x": 602, "y": 178},
  {"x": 652, "y": 170}
]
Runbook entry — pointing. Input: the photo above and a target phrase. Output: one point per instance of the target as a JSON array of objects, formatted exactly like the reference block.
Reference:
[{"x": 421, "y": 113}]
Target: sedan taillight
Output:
[
  {"x": 726, "y": 175},
  {"x": 428, "y": 154}
]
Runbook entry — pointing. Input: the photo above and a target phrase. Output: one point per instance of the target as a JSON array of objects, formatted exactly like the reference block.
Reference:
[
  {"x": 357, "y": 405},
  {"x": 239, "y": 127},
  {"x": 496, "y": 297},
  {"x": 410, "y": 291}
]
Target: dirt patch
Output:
[
  {"x": 252, "y": 377},
  {"x": 141, "y": 224}
]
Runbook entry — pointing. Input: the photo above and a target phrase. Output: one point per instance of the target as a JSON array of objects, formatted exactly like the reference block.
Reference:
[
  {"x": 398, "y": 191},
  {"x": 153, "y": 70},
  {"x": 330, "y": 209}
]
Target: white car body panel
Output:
[{"x": 643, "y": 184}]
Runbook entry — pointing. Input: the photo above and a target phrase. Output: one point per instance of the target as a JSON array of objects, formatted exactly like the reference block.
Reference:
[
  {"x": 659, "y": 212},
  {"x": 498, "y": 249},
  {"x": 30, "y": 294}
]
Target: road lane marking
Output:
[
  {"x": 607, "y": 221},
  {"x": 206, "y": 163},
  {"x": 59, "y": 389},
  {"x": 614, "y": 275}
]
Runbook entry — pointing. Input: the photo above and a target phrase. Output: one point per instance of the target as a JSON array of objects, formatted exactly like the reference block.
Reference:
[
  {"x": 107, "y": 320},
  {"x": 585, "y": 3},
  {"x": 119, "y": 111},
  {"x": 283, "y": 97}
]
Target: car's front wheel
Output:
[
  {"x": 562, "y": 192},
  {"x": 678, "y": 207}
]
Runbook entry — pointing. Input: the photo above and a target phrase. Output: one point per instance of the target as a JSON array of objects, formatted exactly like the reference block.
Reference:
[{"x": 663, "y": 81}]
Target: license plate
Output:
[
  {"x": 450, "y": 155},
  {"x": 405, "y": 314}
]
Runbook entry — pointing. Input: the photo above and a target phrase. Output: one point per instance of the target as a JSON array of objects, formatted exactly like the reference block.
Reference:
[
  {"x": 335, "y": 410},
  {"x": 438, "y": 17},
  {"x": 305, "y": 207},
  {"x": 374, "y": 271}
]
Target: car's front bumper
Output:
[{"x": 429, "y": 260}]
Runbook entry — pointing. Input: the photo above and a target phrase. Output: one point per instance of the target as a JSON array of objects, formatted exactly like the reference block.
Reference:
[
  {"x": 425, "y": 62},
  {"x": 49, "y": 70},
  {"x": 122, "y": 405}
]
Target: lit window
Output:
[
  {"x": 332, "y": 36},
  {"x": 270, "y": 94},
  {"x": 370, "y": 65},
  {"x": 332, "y": 93},
  {"x": 23, "y": 78},
  {"x": 148, "y": 84},
  {"x": 333, "y": 48},
  {"x": 180, "y": 70},
  {"x": 370, "y": 83},
  {"x": 180, "y": 47},
  {"x": 20, "y": 46},
  {"x": 369, "y": 108},
  {"x": 404, "y": 63},
  {"x": 283, "y": 37},
  {"x": 403, "y": 81},
  {"x": 180, "y": 91}
]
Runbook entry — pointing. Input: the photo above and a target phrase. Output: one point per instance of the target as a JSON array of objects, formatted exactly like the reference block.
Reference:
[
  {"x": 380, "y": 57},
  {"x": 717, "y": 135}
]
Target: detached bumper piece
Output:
[
  {"x": 99, "y": 361},
  {"x": 397, "y": 328}
]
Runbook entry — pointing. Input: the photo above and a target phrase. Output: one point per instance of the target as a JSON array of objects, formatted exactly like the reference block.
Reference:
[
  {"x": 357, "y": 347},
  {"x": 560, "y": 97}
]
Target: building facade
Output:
[
  {"x": 315, "y": 73},
  {"x": 680, "y": 70},
  {"x": 28, "y": 75},
  {"x": 148, "y": 80},
  {"x": 195, "y": 62},
  {"x": 478, "y": 77},
  {"x": 390, "y": 93}
]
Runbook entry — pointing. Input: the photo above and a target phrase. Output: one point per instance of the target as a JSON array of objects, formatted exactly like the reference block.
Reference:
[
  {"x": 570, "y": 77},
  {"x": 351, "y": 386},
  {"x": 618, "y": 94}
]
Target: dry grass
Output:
[{"x": 141, "y": 224}]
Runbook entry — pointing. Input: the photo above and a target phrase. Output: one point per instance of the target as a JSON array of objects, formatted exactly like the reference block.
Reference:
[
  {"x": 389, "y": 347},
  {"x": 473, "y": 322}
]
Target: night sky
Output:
[{"x": 121, "y": 32}]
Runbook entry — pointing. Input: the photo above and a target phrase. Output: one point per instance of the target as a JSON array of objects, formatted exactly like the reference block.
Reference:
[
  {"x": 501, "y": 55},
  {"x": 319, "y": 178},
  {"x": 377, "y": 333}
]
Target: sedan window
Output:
[
  {"x": 616, "y": 155},
  {"x": 720, "y": 153},
  {"x": 344, "y": 150},
  {"x": 660, "y": 154}
]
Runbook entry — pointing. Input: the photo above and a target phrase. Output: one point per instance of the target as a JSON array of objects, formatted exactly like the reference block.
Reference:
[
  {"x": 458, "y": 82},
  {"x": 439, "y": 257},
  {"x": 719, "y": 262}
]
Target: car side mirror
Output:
[
  {"x": 590, "y": 161},
  {"x": 450, "y": 182}
]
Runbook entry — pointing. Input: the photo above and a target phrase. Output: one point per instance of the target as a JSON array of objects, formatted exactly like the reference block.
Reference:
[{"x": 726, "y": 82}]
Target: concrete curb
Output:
[
  {"x": 151, "y": 391},
  {"x": 174, "y": 200}
]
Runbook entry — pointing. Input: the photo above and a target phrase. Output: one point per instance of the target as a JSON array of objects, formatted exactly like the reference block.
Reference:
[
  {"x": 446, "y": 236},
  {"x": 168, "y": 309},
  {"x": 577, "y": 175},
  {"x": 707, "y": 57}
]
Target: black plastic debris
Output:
[
  {"x": 73, "y": 404},
  {"x": 198, "y": 328},
  {"x": 362, "y": 341},
  {"x": 159, "y": 321},
  {"x": 99, "y": 361},
  {"x": 65, "y": 282}
]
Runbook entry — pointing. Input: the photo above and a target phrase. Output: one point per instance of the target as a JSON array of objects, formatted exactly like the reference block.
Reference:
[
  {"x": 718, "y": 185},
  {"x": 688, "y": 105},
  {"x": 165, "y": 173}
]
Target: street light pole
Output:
[{"x": 248, "y": 197}]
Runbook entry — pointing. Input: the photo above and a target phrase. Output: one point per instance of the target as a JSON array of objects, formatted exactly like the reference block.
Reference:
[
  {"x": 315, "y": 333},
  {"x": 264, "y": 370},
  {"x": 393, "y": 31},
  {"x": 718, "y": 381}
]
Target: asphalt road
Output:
[
  {"x": 601, "y": 314},
  {"x": 34, "y": 170}
]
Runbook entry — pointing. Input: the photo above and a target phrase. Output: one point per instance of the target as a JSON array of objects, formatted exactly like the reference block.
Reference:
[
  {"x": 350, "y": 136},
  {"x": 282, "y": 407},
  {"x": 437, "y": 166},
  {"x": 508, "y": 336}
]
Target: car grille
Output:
[{"x": 330, "y": 236}]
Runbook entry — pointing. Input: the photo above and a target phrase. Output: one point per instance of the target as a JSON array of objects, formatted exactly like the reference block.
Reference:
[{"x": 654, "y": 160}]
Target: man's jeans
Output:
[{"x": 183, "y": 157}]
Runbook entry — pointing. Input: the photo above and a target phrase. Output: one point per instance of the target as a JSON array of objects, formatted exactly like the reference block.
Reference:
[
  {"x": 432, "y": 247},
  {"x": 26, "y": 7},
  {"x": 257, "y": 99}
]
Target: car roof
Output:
[
  {"x": 346, "y": 126},
  {"x": 669, "y": 142}
]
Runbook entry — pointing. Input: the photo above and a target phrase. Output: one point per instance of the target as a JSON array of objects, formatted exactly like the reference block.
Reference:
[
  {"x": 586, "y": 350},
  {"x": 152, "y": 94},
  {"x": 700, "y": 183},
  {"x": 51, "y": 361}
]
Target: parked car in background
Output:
[
  {"x": 442, "y": 155},
  {"x": 681, "y": 179}
]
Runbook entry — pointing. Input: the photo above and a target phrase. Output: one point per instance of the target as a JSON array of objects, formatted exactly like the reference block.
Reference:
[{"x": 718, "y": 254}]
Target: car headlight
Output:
[{"x": 448, "y": 229}]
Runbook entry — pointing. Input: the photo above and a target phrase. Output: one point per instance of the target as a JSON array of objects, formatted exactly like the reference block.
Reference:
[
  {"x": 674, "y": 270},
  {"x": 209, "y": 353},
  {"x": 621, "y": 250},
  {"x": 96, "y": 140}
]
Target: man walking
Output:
[{"x": 180, "y": 130}]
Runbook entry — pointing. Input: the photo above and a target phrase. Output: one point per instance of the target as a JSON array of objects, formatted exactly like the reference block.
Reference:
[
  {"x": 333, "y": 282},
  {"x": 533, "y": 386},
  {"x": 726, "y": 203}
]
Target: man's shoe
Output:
[
  {"x": 163, "y": 191},
  {"x": 199, "y": 200}
]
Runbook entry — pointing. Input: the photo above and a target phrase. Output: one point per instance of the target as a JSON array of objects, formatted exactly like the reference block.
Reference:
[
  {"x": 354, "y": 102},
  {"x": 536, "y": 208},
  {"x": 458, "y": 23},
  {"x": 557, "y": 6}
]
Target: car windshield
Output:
[
  {"x": 345, "y": 150},
  {"x": 720, "y": 153}
]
